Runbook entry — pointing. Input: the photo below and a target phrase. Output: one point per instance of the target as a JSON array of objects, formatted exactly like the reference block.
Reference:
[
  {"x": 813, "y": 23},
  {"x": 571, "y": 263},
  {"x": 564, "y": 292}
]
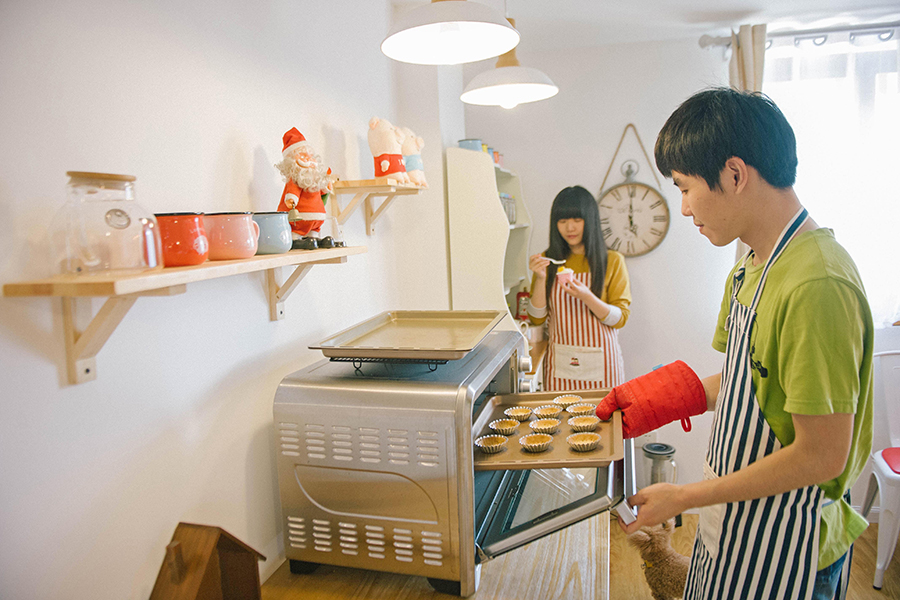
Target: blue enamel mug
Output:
[{"x": 274, "y": 232}]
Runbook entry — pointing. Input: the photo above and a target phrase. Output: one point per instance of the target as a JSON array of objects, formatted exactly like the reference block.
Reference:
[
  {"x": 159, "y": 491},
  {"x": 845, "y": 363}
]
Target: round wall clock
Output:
[{"x": 634, "y": 218}]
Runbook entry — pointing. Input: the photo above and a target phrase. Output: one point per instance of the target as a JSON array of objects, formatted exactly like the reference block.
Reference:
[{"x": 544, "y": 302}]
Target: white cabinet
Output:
[{"x": 488, "y": 255}]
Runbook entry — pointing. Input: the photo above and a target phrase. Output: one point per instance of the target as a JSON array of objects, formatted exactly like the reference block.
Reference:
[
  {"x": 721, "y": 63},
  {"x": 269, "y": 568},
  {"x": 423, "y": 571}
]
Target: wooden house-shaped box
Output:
[{"x": 208, "y": 563}]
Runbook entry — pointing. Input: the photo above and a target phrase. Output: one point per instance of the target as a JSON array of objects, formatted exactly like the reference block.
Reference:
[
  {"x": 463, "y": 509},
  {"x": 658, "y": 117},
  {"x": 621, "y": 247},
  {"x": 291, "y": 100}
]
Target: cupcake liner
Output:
[
  {"x": 504, "y": 426},
  {"x": 577, "y": 410},
  {"x": 584, "y": 423},
  {"x": 535, "y": 442},
  {"x": 491, "y": 444},
  {"x": 519, "y": 413},
  {"x": 567, "y": 400},
  {"x": 583, "y": 442},
  {"x": 545, "y": 425},
  {"x": 549, "y": 411}
]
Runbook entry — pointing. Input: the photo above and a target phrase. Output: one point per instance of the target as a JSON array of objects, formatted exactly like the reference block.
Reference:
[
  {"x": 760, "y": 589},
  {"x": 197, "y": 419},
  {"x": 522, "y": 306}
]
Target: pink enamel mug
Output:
[{"x": 232, "y": 235}]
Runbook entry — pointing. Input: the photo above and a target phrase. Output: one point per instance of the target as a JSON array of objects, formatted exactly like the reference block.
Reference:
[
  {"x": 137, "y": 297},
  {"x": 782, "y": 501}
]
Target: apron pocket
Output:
[
  {"x": 581, "y": 363},
  {"x": 711, "y": 518}
]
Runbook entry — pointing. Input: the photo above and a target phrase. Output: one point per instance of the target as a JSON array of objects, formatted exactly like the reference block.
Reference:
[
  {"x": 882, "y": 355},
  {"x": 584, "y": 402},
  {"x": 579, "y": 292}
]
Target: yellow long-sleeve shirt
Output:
[{"x": 616, "y": 287}]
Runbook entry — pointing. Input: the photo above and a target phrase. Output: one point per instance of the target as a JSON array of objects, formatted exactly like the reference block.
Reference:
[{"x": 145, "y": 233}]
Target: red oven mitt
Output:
[{"x": 650, "y": 401}]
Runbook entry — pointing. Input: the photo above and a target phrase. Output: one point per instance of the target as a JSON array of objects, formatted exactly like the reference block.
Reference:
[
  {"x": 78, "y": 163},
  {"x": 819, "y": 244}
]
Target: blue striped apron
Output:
[{"x": 763, "y": 548}]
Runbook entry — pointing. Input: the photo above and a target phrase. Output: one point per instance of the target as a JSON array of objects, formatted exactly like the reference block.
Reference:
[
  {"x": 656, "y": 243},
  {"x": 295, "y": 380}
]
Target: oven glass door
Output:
[{"x": 514, "y": 508}]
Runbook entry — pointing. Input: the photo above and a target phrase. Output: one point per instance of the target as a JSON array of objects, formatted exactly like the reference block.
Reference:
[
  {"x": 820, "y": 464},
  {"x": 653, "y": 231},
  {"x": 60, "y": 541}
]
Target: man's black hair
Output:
[{"x": 713, "y": 125}]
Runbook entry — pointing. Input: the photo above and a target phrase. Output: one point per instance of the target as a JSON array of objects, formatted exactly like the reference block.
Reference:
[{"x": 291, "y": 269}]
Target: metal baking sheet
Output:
[
  {"x": 559, "y": 455},
  {"x": 413, "y": 334}
]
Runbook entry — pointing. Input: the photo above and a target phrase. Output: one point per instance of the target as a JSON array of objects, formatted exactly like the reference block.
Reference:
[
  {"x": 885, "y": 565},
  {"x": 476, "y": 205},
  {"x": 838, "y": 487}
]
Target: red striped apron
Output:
[{"x": 583, "y": 353}]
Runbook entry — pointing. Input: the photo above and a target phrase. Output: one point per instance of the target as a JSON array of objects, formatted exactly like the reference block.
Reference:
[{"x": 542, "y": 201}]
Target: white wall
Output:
[
  {"x": 570, "y": 139},
  {"x": 192, "y": 99}
]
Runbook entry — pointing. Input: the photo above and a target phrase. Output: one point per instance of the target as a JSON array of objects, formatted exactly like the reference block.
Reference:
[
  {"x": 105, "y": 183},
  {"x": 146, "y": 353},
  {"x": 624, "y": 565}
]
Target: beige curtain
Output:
[{"x": 745, "y": 71}]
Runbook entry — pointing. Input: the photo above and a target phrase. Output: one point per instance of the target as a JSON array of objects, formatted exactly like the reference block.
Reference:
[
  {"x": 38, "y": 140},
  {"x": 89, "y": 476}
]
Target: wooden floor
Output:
[
  {"x": 627, "y": 580},
  {"x": 556, "y": 567}
]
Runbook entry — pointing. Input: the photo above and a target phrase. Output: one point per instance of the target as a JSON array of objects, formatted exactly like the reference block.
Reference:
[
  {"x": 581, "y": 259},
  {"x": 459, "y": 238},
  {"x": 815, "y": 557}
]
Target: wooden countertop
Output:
[
  {"x": 537, "y": 351},
  {"x": 572, "y": 564}
]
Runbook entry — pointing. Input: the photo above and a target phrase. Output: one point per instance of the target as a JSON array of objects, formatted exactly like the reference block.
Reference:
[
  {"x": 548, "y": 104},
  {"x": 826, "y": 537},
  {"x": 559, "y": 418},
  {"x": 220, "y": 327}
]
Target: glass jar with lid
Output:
[{"x": 102, "y": 227}]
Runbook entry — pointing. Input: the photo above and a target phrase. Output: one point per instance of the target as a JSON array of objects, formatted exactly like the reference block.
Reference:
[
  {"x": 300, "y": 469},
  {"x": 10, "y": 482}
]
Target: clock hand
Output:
[{"x": 631, "y": 226}]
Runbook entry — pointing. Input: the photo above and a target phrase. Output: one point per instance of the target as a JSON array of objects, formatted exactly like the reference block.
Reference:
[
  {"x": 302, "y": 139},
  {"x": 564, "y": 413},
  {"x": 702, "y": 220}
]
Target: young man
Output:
[{"x": 793, "y": 404}]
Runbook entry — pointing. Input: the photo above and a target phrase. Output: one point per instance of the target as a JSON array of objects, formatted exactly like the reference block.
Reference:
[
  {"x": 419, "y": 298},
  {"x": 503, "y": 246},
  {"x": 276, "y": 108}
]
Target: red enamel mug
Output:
[
  {"x": 184, "y": 240},
  {"x": 231, "y": 235}
]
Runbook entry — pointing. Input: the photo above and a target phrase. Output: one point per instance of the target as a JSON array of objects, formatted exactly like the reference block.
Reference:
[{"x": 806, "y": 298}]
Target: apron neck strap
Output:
[{"x": 787, "y": 234}]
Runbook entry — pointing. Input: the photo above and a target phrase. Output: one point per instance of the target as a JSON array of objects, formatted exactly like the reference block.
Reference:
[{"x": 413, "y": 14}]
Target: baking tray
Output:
[
  {"x": 559, "y": 455},
  {"x": 413, "y": 334}
]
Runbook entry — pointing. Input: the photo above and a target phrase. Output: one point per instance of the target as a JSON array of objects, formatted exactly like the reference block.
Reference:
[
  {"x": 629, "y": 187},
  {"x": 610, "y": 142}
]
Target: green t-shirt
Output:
[{"x": 811, "y": 354}]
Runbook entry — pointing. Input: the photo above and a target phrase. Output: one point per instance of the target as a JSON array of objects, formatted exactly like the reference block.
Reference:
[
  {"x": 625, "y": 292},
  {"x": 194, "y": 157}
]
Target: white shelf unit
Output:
[{"x": 488, "y": 255}]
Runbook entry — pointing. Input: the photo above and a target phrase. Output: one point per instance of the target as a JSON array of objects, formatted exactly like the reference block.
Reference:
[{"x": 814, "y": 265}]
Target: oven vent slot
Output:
[
  {"x": 375, "y": 541},
  {"x": 342, "y": 443},
  {"x": 403, "y": 545},
  {"x": 370, "y": 445},
  {"x": 322, "y": 535},
  {"x": 315, "y": 440},
  {"x": 398, "y": 446},
  {"x": 370, "y": 450},
  {"x": 349, "y": 539},
  {"x": 432, "y": 550},
  {"x": 297, "y": 535},
  {"x": 289, "y": 438},
  {"x": 428, "y": 452}
]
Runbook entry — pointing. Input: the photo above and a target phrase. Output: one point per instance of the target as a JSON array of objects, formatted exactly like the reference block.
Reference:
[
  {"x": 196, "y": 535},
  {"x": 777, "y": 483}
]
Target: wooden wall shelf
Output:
[
  {"x": 86, "y": 334},
  {"x": 368, "y": 190}
]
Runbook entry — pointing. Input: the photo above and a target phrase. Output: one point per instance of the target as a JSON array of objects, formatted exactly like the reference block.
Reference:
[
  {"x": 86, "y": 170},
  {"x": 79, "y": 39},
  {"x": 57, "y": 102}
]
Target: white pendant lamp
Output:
[
  {"x": 449, "y": 32},
  {"x": 508, "y": 84}
]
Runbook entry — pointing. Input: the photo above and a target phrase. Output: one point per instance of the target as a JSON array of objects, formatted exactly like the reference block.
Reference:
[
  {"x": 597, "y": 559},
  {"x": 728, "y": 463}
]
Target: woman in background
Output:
[{"x": 587, "y": 310}]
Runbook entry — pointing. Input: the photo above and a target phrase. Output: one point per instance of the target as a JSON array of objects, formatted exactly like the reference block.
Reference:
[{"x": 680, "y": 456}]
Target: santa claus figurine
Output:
[{"x": 307, "y": 181}]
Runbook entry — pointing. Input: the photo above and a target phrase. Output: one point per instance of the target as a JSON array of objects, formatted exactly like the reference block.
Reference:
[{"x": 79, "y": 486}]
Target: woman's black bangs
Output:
[{"x": 567, "y": 209}]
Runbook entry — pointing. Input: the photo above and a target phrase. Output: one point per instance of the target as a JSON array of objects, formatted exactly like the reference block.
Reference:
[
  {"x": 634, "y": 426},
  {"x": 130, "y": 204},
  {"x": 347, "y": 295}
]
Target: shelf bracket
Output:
[
  {"x": 367, "y": 190},
  {"x": 372, "y": 214},
  {"x": 278, "y": 292},
  {"x": 344, "y": 214},
  {"x": 83, "y": 344}
]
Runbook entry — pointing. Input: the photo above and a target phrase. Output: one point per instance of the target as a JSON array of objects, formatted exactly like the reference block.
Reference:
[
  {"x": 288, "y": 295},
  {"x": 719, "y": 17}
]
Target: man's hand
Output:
[
  {"x": 817, "y": 455},
  {"x": 656, "y": 504}
]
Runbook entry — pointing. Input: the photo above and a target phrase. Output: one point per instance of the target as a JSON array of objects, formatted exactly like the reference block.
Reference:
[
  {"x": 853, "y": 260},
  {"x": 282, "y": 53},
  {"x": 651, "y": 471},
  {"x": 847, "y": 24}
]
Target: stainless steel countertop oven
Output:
[{"x": 376, "y": 468}]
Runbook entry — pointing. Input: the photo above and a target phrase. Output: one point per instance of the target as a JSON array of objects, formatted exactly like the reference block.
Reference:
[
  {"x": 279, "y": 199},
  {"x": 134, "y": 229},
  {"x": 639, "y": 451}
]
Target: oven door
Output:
[{"x": 513, "y": 508}]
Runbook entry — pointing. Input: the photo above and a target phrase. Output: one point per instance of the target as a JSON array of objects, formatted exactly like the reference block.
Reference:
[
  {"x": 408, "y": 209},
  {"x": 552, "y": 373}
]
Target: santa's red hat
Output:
[{"x": 292, "y": 138}]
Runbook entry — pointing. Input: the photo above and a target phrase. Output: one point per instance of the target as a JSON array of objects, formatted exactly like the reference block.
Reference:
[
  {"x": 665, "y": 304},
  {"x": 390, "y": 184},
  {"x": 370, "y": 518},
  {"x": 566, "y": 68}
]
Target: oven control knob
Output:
[
  {"x": 526, "y": 384},
  {"x": 525, "y": 364}
]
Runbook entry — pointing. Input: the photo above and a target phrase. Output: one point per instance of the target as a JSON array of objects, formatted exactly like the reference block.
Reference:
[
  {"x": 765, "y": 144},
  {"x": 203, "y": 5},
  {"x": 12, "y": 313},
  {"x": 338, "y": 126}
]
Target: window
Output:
[{"x": 843, "y": 101}]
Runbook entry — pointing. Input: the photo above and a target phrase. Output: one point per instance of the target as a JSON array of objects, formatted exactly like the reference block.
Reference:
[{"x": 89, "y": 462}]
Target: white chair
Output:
[{"x": 884, "y": 480}]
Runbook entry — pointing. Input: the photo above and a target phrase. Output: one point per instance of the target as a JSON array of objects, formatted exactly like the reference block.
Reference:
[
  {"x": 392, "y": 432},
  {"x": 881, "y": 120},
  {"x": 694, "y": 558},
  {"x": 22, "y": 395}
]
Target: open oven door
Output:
[{"x": 514, "y": 508}]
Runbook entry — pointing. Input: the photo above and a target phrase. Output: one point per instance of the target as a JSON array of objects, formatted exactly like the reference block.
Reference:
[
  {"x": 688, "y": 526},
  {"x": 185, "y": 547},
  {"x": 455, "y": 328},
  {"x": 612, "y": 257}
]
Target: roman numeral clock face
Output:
[{"x": 634, "y": 218}]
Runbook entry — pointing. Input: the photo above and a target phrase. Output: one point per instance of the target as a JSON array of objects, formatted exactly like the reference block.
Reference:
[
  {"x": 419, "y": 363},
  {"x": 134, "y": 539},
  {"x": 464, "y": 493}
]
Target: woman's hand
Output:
[
  {"x": 576, "y": 289},
  {"x": 539, "y": 264}
]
